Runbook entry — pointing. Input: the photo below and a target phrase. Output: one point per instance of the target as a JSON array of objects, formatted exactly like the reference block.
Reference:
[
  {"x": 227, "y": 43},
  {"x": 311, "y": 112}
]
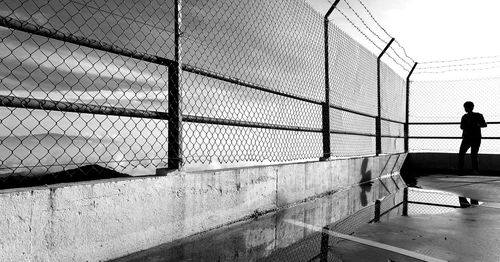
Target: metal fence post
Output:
[
  {"x": 325, "y": 237},
  {"x": 378, "y": 122},
  {"x": 407, "y": 125},
  {"x": 174, "y": 97},
  {"x": 376, "y": 216},
  {"x": 405, "y": 201},
  {"x": 327, "y": 152}
]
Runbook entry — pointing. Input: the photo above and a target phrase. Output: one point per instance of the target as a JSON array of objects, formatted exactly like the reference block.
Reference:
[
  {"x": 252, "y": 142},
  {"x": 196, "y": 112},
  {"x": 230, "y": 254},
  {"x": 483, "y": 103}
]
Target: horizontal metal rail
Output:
[
  {"x": 362, "y": 134},
  {"x": 230, "y": 122},
  {"x": 352, "y": 111},
  {"x": 386, "y": 212},
  {"x": 445, "y": 123},
  {"x": 393, "y": 121},
  {"x": 450, "y": 137},
  {"x": 107, "y": 47},
  {"x": 391, "y": 136},
  {"x": 236, "y": 81},
  {"x": 351, "y": 133},
  {"x": 41, "y": 104},
  {"x": 432, "y": 204},
  {"x": 31, "y": 28}
]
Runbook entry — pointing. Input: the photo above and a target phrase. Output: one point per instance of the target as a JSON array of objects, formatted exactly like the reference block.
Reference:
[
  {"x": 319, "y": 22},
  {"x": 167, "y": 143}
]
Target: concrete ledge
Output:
[
  {"x": 105, "y": 219},
  {"x": 448, "y": 162}
]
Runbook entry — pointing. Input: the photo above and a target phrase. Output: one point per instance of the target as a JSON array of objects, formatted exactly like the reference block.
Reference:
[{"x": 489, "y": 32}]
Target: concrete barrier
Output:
[
  {"x": 422, "y": 163},
  {"x": 101, "y": 220}
]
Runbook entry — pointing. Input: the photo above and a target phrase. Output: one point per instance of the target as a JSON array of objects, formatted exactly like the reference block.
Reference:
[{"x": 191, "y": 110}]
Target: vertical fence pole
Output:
[
  {"x": 407, "y": 120},
  {"x": 174, "y": 96},
  {"x": 405, "y": 201},
  {"x": 378, "y": 121},
  {"x": 325, "y": 237},
  {"x": 327, "y": 152},
  {"x": 376, "y": 216}
]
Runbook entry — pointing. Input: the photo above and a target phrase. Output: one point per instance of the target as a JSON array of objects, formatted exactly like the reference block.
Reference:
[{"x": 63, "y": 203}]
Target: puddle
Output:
[{"x": 432, "y": 202}]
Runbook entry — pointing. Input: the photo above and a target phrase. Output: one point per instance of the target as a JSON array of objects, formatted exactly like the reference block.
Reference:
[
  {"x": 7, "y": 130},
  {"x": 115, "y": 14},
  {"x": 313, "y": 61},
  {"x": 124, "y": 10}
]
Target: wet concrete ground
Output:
[
  {"x": 436, "y": 233},
  {"x": 465, "y": 234}
]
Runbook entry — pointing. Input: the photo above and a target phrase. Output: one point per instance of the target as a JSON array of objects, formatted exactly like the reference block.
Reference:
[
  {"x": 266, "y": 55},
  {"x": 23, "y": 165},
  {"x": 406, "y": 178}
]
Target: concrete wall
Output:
[
  {"x": 101, "y": 220},
  {"x": 447, "y": 162},
  {"x": 273, "y": 235}
]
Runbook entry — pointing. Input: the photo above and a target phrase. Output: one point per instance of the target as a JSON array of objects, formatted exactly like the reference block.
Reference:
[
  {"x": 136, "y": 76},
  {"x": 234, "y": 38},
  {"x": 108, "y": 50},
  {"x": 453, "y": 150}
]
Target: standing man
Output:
[{"x": 471, "y": 125}]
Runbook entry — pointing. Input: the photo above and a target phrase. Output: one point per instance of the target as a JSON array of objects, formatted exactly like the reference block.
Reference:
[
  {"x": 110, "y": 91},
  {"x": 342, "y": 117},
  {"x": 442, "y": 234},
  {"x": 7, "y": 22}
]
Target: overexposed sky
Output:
[{"x": 433, "y": 30}]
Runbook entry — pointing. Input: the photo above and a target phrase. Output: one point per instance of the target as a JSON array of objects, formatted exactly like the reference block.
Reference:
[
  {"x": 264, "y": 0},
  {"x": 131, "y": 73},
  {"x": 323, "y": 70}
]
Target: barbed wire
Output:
[
  {"x": 462, "y": 65},
  {"x": 402, "y": 59},
  {"x": 398, "y": 63},
  {"x": 458, "y": 80},
  {"x": 375, "y": 34},
  {"x": 457, "y": 70},
  {"x": 364, "y": 23},
  {"x": 461, "y": 59},
  {"x": 373, "y": 18},
  {"x": 385, "y": 31},
  {"x": 358, "y": 29},
  {"x": 404, "y": 51}
]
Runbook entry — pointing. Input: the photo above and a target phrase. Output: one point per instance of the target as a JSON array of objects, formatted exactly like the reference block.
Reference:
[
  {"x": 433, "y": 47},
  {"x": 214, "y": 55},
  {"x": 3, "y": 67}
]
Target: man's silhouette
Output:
[{"x": 471, "y": 125}]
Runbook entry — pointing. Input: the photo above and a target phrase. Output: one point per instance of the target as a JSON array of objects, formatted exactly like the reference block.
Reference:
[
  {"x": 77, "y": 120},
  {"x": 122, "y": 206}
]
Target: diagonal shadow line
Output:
[
  {"x": 395, "y": 164},
  {"x": 383, "y": 184},
  {"x": 392, "y": 172},
  {"x": 386, "y": 163}
]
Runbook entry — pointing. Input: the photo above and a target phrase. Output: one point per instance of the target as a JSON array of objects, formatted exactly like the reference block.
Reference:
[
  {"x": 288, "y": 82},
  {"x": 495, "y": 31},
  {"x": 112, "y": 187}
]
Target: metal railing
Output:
[
  {"x": 154, "y": 85},
  {"x": 435, "y": 119}
]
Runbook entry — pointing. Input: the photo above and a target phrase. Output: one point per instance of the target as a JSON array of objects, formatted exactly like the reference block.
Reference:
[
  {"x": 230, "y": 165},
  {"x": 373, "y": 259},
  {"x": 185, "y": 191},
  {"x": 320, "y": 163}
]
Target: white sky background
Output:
[{"x": 433, "y": 30}]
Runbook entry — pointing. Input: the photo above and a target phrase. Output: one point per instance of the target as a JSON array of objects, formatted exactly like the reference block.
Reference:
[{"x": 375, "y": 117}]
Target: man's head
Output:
[{"x": 468, "y": 106}]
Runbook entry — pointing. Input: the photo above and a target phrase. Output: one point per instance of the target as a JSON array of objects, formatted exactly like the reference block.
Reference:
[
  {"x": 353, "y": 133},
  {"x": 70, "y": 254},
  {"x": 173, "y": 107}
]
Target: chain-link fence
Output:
[
  {"x": 432, "y": 202},
  {"x": 435, "y": 119},
  {"x": 134, "y": 86}
]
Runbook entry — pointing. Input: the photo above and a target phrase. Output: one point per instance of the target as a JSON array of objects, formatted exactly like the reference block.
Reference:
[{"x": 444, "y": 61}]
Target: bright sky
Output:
[{"x": 433, "y": 30}]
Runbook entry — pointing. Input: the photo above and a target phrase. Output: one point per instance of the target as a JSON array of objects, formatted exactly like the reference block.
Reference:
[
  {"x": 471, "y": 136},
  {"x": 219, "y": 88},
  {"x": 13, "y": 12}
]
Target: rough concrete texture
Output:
[
  {"x": 300, "y": 181},
  {"x": 270, "y": 237},
  {"x": 101, "y": 220}
]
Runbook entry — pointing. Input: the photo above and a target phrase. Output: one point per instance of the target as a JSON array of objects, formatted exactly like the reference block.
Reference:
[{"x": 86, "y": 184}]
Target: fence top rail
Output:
[
  {"x": 35, "y": 29},
  {"x": 450, "y": 137},
  {"x": 392, "y": 120},
  {"x": 446, "y": 123}
]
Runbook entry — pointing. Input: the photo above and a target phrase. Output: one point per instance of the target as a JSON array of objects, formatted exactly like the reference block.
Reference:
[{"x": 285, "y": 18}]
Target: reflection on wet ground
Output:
[
  {"x": 432, "y": 202},
  {"x": 316, "y": 231}
]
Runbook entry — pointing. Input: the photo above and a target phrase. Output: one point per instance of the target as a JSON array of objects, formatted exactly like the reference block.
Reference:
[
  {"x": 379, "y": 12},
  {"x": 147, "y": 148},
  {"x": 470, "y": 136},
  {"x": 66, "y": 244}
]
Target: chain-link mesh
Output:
[
  {"x": 276, "y": 46},
  {"x": 429, "y": 202},
  {"x": 352, "y": 134},
  {"x": 353, "y": 74},
  {"x": 96, "y": 83},
  {"x": 393, "y": 104},
  {"x": 353, "y": 87},
  {"x": 70, "y": 98},
  {"x": 392, "y": 94},
  {"x": 439, "y": 114}
]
